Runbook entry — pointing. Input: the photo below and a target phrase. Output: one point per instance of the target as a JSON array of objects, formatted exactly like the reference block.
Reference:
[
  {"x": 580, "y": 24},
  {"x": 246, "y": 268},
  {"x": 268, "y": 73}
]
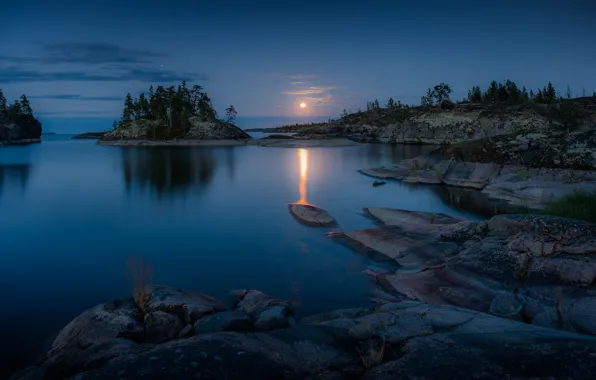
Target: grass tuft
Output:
[
  {"x": 580, "y": 205},
  {"x": 140, "y": 274},
  {"x": 373, "y": 355}
]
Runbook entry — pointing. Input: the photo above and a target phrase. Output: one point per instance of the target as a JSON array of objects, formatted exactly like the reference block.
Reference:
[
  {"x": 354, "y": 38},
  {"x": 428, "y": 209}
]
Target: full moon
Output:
[{"x": 302, "y": 105}]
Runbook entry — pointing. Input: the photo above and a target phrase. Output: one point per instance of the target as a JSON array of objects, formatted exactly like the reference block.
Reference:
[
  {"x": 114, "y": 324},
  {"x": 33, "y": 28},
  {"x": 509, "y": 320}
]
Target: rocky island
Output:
[
  {"x": 17, "y": 123},
  {"x": 174, "y": 116}
]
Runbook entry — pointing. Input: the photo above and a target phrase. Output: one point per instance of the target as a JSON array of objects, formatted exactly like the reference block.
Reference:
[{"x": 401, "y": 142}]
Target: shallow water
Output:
[{"x": 208, "y": 219}]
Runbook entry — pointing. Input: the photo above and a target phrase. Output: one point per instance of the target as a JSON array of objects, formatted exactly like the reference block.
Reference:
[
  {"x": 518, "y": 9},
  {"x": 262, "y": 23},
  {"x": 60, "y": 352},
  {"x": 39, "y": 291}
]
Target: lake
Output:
[{"x": 207, "y": 219}]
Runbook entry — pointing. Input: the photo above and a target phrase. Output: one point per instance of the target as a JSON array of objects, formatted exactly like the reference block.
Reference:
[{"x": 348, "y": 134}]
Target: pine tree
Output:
[
  {"x": 568, "y": 92},
  {"x": 475, "y": 95},
  {"x": 25, "y": 106},
  {"x": 391, "y": 103},
  {"x": 231, "y": 114},
  {"x": 128, "y": 110},
  {"x": 524, "y": 94},
  {"x": 550, "y": 95},
  {"x": 3, "y": 104},
  {"x": 532, "y": 95},
  {"x": 428, "y": 99},
  {"x": 15, "y": 109}
]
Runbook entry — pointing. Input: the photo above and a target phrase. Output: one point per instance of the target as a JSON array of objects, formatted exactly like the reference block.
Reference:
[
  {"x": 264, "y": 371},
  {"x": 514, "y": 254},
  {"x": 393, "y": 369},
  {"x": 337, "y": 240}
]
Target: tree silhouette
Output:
[
  {"x": 3, "y": 104},
  {"x": 231, "y": 114},
  {"x": 25, "y": 106}
]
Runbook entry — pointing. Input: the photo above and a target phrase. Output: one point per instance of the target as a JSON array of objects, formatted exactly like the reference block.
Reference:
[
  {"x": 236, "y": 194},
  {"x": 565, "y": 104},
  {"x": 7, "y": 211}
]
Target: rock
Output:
[
  {"x": 161, "y": 326},
  {"x": 378, "y": 183},
  {"x": 399, "y": 340},
  {"x": 274, "y": 317},
  {"x": 187, "y": 331},
  {"x": 188, "y": 306},
  {"x": 145, "y": 129},
  {"x": 94, "y": 327},
  {"x": 480, "y": 266},
  {"x": 19, "y": 129},
  {"x": 232, "y": 320},
  {"x": 255, "y": 302},
  {"x": 311, "y": 216},
  {"x": 233, "y": 297},
  {"x": 507, "y": 306},
  {"x": 89, "y": 135}
]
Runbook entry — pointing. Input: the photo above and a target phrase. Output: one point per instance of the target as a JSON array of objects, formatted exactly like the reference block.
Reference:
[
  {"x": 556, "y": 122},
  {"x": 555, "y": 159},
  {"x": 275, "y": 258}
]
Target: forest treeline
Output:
[{"x": 173, "y": 105}]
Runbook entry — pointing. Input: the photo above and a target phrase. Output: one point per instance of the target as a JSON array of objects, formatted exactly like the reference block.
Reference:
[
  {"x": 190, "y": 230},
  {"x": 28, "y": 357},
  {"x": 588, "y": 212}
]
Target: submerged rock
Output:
[{"x": 311, "y": 215}]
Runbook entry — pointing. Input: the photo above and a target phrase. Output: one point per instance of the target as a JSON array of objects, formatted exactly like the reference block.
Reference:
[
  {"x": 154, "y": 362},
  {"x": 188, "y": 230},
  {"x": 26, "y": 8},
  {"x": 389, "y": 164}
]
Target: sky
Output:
[{"x": 77, "y": 59}]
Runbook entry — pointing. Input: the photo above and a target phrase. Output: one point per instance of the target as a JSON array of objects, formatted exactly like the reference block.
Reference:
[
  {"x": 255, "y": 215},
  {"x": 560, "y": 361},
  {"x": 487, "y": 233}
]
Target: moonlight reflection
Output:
[{"x": 303, "y": 155}]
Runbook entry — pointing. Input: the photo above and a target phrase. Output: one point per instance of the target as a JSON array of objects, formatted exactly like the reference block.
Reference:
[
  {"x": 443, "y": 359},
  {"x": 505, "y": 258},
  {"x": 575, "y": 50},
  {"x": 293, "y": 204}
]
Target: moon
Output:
[{"x": 302, "y": 105}]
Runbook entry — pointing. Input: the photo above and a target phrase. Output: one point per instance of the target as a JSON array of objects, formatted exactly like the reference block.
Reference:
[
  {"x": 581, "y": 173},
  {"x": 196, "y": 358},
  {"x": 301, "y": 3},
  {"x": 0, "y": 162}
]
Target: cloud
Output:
[
  {"x": 77, "y": 97},
  {"x": 297, "y": 82},
  {"x": 320, "y": 101},
  {"x": 311, "y": 91},
  {"x": 95, "y": 53},
  {"x": 302, "y": 76},
  {"x": 109, "y": 62},
  {"x": 18, "y": 75}
]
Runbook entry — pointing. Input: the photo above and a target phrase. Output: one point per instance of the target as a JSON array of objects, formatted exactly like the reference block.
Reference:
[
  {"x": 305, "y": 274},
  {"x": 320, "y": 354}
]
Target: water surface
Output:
[{"x": 208, "y": 219}]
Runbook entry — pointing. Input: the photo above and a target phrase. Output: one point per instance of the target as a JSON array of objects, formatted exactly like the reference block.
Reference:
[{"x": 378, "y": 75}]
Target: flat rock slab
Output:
[
  {"x": 384, "y": 173},
  {"x": 394, "y": 217},
  {"x": 311, "y": 215}
]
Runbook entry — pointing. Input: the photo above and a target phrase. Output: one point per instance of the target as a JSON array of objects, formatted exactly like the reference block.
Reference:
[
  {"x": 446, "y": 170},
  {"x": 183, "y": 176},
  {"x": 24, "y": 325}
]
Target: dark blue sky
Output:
[{"x": 76, "y": 58}]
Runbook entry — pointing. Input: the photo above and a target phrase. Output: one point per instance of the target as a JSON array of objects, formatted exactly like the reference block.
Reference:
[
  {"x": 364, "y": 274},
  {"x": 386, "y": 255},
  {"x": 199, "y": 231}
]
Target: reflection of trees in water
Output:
[
  {"x": 11, "y": 174},
  {"x": 167, "y": 170},
  {"x": 472, "y": 201}
]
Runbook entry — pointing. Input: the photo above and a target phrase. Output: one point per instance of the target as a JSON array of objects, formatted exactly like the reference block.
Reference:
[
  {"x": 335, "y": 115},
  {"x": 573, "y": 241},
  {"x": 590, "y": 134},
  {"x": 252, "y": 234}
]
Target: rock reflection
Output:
[
  {"x": 14, "y": 175},
  {"x": 167, "y": 171},
  {"x": 473, "y": 201}
]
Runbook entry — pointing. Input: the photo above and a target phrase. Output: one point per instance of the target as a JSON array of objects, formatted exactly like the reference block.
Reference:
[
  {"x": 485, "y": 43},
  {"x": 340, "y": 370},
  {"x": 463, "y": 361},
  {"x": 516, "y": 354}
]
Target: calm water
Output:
[{"x": 71, "y": 213}]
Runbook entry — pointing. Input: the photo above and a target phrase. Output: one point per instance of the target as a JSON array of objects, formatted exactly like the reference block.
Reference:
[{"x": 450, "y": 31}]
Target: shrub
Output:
[
  {"x": 579, "y": 205},
  {"x": 140, "y": 276}
]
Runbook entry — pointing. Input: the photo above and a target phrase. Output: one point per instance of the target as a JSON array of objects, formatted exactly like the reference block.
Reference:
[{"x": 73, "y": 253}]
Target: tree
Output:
[
  {"x": 231, "y": 114},
  {"x": 568, "y": 92},
  {"x": 128, "y": 110},
  {"x": 344, "y": 113},
  {"x": 15, "y": 109},
  {"x": 376, "y": 104},
  {"x": 25, "y": 106},
  {"x": 428, "y": 99},
  {"x": 390, "y": 103},
  {"x": 475, "y": 95},
  {"x": 3, "y": 104},
  {"x": 442, "y": 92},
  {"x": 531, "y": 94}
]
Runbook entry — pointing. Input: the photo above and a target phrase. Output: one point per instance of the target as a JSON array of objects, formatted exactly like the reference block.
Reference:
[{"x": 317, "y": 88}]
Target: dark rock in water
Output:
[
  {"x": 19, "y": 128},
  {"x": 188, "y": 306},
  {"x": 311, "y": 215},
  {"x": 378, "y": 183}
]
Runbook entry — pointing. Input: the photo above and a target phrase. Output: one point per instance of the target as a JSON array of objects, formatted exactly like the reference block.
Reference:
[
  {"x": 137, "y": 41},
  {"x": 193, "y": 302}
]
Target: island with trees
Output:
[
  {"x": 17, "y": 123},
  {"x": 175, "y": 115}
]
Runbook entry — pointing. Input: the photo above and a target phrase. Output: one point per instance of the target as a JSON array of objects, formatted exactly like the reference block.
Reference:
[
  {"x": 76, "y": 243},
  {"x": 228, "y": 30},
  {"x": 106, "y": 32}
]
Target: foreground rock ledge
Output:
[
  {"x": 536, "y": 269},
  {"x": 404, "y": 340}
]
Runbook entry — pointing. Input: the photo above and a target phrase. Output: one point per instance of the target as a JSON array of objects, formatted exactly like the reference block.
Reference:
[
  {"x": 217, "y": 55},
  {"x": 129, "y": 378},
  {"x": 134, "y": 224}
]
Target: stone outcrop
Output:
[
  {"x": 405, "y": 340},
  {"x": 198, "y": 129},
  {"x": 466, "y": 122},
  {"x": 311, "y": 215},
  {"x": 537, "y": 269},
  {"x": 508, "y": 168},
  {"x": 21, "y": 129}
]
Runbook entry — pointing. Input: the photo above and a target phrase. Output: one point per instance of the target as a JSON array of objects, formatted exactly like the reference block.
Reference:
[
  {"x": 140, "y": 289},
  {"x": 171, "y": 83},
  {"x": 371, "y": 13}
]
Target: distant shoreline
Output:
[
  {"x": 89, "y": 135},
  {"x": 20, "y": 142},
  {"x": 210, "y": 143}
]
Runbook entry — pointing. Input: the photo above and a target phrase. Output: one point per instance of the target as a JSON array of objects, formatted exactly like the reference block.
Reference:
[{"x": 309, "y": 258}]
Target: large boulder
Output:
[{"x": 311, "y": 215}]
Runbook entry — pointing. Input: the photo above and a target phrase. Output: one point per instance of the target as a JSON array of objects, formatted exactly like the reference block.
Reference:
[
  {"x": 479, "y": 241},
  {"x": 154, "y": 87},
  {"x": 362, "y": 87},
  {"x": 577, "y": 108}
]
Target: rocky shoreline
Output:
[
  {"x": 510, "y": 297},
  {"x": 174, "y": 142},
  {"x": 20, "y": 142}
]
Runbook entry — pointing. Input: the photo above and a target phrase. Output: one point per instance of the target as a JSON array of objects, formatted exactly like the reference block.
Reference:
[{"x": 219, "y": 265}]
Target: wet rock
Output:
[
  {"x": 335, "y": 314},
  {"x": 507, "y": 306},
  {"x": 161, "y": 326},
  {"x": 232, "y": 320},
  {"x": 188, "y": 306},
  {"x": 378, "y": 183},
  {"x": 98, "y": 325},
  {"x": 233, "y": 297},
  {"x": 274, "y": 317},
  {"x": 311, "y": 216}
]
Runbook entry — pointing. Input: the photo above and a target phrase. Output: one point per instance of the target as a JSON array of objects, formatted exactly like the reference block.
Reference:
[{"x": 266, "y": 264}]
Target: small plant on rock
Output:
[
  {"x": 140, "y": 274},
  {"x": 373, "y": 355}
]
